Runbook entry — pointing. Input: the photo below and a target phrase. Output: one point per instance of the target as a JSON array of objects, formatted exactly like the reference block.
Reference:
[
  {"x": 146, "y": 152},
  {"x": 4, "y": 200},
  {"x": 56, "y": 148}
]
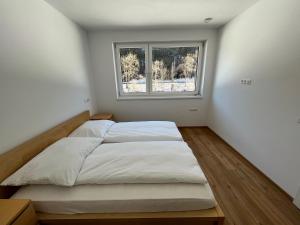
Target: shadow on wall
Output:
[{"x": 30, "y": 106}]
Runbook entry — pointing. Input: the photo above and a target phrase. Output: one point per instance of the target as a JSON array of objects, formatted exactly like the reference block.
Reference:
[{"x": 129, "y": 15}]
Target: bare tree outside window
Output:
[{"x": 130, "y": 67}]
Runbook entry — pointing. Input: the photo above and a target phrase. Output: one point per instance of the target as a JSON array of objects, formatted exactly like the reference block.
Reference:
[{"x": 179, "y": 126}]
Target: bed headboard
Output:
[{"x": 12, "y": 160}]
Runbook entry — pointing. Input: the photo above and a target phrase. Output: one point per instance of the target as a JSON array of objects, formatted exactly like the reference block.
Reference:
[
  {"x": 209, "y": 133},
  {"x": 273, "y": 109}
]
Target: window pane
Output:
[
  {"x": 132, "y": 62},
  {"x": 174, "y": 69}
]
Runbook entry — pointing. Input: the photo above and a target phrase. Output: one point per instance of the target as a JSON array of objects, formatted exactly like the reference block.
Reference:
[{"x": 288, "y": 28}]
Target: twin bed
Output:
[{"x": 112, "y": 173}]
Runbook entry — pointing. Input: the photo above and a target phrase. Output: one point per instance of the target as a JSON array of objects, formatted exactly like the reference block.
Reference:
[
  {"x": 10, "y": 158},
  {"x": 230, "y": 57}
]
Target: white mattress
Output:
[
  {"x": 143, "y": 131},
  {"x": 118, "y": 198}
]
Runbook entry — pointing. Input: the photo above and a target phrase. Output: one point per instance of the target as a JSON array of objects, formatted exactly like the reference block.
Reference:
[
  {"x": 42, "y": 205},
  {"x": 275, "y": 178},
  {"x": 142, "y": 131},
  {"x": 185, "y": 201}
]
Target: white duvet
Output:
[
  {"x": 141, "y": 162},
  {"x": 143, "y": 131},
  {"x": 58, "y": 164},
  {"x": 76, "y": 161}
]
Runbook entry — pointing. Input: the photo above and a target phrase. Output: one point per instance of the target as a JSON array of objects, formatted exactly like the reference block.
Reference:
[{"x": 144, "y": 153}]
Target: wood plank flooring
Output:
[{"x": 245, "y": 195}]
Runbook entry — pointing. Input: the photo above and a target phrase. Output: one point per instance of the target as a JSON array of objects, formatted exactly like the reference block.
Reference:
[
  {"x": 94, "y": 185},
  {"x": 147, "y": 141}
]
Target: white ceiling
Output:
[{"x": 123, "y": 14}]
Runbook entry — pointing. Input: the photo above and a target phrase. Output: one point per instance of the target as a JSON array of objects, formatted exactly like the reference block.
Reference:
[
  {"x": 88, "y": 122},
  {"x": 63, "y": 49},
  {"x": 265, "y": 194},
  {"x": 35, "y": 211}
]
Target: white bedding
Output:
[
  {"x": 116, "y": 177},
  {"x": 76, "y": 161},
  {"x": 118, "y": 198},
  {"x": 141, "y": 162},
  {"x": 143, "y": 131},
  {"x": 58, "y": 164},
  {"x": 93, "y": 128}
]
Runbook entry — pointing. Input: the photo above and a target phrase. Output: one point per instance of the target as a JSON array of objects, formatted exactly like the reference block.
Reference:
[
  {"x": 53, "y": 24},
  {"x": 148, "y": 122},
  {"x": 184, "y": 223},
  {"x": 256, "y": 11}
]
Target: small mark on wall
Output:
[{"x": 86, "y": 100}]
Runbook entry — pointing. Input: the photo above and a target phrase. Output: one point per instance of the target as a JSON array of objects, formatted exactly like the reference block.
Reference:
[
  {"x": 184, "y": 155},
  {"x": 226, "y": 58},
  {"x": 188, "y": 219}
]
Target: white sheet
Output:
[
  {"x": 143, "y": 131},
  {"x": 93, "y": 128},
  {"x": 141, "y": 162},
  {"x": 58, "y": 164},
  {"x": 118, "y": 198}
]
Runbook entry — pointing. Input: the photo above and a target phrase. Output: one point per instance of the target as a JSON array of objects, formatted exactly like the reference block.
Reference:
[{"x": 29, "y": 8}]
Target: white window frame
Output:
[{"x": 148, "y": 46}]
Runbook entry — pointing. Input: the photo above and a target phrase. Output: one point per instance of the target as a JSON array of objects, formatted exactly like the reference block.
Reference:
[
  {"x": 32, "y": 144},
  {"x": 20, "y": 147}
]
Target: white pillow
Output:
[
  {"x": 58, "y": 164},
  {"x": 146, "y": 124},
  {"x": 93, "y": 128}
]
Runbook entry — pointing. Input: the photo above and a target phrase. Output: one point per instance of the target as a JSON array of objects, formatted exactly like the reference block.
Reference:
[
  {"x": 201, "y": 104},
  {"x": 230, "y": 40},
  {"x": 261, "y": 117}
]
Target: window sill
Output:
[{"x": 126, "y": 98}]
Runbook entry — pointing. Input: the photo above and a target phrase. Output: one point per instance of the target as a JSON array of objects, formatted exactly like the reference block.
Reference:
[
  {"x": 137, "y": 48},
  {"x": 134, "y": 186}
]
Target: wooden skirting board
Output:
[{"x": 20, "y": 155}]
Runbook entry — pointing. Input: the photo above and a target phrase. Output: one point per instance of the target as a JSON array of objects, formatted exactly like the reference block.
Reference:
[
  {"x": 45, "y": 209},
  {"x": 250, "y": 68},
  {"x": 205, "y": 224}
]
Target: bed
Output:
[
  {"x": 149, "y": 203},
  {"x": 129, "y": 131}
]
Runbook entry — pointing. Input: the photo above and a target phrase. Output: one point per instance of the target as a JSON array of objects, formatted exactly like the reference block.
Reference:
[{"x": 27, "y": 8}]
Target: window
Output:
[{"x": 155, "y": 70}]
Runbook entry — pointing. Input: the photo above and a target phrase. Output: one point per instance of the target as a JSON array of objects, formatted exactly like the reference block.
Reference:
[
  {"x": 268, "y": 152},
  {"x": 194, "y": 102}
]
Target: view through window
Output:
[
  {"x": 133, "y": 73},
  {"x": 159, "y": 68}
]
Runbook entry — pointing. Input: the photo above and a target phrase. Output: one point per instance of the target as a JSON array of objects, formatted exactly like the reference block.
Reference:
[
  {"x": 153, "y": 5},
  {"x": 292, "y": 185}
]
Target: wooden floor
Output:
[{"x": 245, "y": 195}]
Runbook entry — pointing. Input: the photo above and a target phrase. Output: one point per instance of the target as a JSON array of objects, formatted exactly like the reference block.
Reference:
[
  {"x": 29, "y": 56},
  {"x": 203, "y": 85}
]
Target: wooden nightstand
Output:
[
  {"x": 17, "y": 212},
  {"x": 102, "y": 116}
]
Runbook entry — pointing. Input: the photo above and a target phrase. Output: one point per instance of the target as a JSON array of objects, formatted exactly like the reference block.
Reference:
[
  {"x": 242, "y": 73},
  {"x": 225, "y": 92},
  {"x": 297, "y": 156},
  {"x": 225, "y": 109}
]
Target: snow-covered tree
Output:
[
  {"x": 189, "y": 65},
  {"x": 130, "y": 66},
  {"x": 159, "y": 71}
]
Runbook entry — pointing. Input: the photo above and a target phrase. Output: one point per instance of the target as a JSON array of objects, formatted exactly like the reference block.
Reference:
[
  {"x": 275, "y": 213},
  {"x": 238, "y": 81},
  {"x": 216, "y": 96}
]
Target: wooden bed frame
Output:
[{"x": 18, "y": 156}]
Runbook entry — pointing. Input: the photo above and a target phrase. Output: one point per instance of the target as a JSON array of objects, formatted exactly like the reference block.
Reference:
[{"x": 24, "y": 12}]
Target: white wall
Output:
[
  {"x": 43, "y": 70},
  {"x": 297, "y": 199},
  {"x": 176, "y": 110},
  {"x": 260, "y": 120}
]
